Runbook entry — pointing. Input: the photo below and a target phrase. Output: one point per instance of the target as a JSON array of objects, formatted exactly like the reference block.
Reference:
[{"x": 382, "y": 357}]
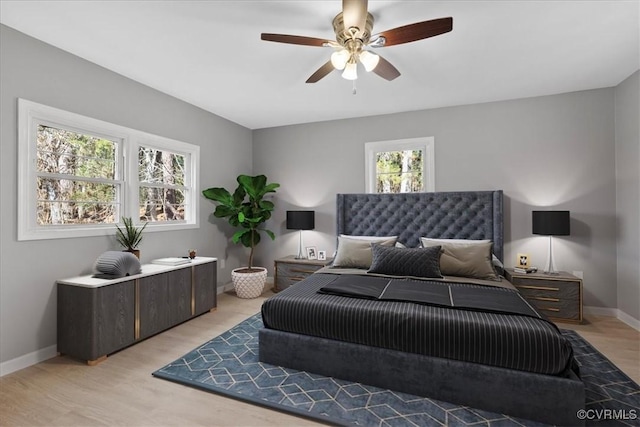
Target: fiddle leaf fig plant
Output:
[{"x": 245, "y": 209}]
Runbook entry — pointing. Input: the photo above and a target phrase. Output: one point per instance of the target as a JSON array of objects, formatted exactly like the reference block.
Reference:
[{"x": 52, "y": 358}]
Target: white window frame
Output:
[
  {"x": 32, "y": 114},
  {"x": 426, "y": 144}
]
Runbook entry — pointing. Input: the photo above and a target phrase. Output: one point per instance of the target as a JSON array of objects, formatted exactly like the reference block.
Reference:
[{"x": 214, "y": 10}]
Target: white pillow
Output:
[
  {"x": 350, "y": 236},
  {"x": 494, "y": 259},
  {"x": 374, "y": 238},
  {"x": 355, "y": 251},
  {"x": 466, "y": 258},
  {"x": 455, "y": 241}
]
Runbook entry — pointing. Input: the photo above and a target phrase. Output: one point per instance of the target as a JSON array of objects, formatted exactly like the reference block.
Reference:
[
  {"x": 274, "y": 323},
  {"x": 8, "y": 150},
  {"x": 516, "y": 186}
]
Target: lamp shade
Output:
[
  {"x": 350, "y": 71},
  {"x": 301, "y": 220},
  {"x": 369, "y": 60},
  {"x": 551, "y": 223}
]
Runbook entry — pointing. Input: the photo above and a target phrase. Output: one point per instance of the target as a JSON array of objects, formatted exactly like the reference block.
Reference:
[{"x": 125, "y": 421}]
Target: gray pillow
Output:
[
  {"x": 114, "y": 264},
  {"x": 465, "y": 258},
  {"x": 415, "y": 262},
  {"x": 356, "y": 252}
]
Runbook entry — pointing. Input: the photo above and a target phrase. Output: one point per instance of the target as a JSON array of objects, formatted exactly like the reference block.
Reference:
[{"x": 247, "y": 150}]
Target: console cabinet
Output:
[{"x": 97, "y": 317}]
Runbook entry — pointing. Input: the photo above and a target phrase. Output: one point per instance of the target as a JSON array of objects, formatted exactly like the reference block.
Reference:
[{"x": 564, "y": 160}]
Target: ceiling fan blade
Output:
[
  {"x": 385, "y": 70},
  {"x": 354, "y": 13},
  {"x": 321, "y": 72},
  {"x": 285, "y": 38},
  {"x": 417, "y": 31}
]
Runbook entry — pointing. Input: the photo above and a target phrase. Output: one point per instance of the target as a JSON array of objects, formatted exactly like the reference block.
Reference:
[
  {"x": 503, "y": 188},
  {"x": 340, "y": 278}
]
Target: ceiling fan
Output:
[{"x": 353, "y": 35}]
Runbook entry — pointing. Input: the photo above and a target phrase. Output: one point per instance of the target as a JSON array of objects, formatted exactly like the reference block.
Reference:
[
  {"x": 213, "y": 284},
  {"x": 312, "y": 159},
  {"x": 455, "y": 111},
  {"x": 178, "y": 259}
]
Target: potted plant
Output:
[
  {"x": 247, "y": 210},
  {"x": 131, "y": 236}
]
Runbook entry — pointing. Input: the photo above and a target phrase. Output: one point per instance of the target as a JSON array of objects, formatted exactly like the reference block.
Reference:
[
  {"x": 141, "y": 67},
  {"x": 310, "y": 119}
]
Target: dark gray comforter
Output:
[{"x": 507, "y": 340}]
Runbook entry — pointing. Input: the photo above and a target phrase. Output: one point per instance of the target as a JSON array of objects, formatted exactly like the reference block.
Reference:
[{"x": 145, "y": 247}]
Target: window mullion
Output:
[{"x": 79, "y": 178}]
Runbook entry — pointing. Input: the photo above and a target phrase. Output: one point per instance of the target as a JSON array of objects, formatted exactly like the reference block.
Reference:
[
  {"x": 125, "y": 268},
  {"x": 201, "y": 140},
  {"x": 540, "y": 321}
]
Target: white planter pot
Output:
[{"x": 249, "y": 285}]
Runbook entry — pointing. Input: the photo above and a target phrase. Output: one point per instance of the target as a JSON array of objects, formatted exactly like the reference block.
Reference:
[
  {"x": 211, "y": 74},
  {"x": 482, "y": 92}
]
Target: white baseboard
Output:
[
  {"x": 613, "y": 312},
  {"x": 27, "y": 360},
  {"x": 600, "y": 311},
  {"x": 43, "y": 354},
  {"x": 629, "y": 320}
]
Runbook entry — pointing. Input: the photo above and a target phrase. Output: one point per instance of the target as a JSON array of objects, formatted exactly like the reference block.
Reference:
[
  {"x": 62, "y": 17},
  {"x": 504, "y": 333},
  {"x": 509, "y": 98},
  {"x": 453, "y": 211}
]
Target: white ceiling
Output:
[{"x": 209, "y": 53}]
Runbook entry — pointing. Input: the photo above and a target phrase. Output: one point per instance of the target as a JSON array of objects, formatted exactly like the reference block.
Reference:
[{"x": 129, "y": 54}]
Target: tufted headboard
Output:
[{"x": 445, "y": 215}]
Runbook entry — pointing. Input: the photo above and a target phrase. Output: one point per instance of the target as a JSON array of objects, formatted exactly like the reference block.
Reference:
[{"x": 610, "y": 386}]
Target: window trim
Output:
[
  {"x": 426, "y": 144},
  {"x": 31, "y": 114}
]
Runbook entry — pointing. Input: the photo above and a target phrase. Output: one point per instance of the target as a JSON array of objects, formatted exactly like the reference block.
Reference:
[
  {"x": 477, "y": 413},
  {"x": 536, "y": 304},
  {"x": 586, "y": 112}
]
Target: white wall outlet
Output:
[
  {"x": 578, "y": 274},
  {"x": 222, "y": 263}
]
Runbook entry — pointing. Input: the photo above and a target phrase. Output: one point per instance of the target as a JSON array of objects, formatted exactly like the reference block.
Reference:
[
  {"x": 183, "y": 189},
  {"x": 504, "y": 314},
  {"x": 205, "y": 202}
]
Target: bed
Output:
[{"x": 506, "y": 362}]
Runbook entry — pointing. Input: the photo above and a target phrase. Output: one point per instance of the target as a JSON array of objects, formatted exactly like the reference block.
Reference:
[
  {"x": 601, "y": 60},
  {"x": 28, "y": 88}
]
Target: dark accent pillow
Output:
[{"x": 415, "y": 262}]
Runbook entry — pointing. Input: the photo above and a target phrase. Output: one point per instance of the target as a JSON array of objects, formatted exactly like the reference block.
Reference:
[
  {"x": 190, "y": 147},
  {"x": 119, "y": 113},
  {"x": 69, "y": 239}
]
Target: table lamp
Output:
[
  {"x": 301, "y": 220},
  {"x": 551, "y": 223}
]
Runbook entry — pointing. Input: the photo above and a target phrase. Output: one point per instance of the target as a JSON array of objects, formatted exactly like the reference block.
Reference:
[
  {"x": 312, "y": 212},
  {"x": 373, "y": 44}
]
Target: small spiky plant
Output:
[{"x": 131, "y": 236}]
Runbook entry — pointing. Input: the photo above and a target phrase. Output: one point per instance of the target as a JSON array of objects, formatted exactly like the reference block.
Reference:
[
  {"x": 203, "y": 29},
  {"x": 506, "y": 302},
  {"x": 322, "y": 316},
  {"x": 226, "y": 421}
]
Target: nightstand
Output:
[
  {"x": 290, "y": 270},
  {"x": 558, "y": 296}
]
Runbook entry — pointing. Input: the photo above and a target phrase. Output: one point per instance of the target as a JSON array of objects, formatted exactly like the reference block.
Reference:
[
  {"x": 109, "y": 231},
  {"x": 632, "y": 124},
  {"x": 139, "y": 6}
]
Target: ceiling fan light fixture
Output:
[
  {"x": 353, "y": 28},
  {"x": 369, "y": 60},
  {"x": 340, "y": 58},
  {"x": 350, "y": 71}
]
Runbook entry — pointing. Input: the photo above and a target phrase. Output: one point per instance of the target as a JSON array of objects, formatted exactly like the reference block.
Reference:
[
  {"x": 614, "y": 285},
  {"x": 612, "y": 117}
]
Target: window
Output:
[
  {"x": 401, "y": 166},
  {"x": 161, "y": 188},
  {"x": 78, "y": 176}
]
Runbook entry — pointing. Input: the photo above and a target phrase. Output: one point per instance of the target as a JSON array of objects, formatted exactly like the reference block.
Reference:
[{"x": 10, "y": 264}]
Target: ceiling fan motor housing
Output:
[{"x": 343, "y": 35}]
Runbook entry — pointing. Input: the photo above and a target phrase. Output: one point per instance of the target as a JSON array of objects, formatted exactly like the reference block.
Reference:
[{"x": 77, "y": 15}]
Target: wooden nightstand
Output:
[
  {"x": 290, "y": 270},
  {"x": 558, "y": 296}
]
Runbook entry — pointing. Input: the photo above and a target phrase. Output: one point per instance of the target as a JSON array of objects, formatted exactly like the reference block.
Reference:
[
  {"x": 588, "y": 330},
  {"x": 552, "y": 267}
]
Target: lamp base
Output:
[
  {"x": 300, "y": 253},
  {"x": 550, "y": 268}
]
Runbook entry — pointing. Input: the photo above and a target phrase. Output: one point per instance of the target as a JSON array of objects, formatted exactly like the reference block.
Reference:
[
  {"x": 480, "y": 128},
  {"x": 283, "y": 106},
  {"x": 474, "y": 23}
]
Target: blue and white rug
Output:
[{"x": 228, "y": 365}]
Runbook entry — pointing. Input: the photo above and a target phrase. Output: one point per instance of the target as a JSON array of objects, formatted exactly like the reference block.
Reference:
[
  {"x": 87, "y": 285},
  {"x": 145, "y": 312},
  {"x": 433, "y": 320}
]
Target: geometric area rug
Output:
[{"x": 228, "y": 365}]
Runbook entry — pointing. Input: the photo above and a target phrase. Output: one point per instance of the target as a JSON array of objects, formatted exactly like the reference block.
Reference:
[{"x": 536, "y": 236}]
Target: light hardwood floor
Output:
[{"x": 121, "y": 391}]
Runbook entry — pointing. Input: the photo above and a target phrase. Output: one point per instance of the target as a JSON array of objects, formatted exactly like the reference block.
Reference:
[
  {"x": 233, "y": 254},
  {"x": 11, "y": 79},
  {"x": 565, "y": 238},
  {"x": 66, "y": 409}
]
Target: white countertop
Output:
[{"x": 147, "y": 270}]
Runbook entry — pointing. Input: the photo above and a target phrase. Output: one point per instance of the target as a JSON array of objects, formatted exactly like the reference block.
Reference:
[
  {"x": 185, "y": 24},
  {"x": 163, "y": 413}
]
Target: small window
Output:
[
  {"x": 401, "y": 166},
  {"x": 78, "y": 176},
  {"x": 162, "y": 189}
]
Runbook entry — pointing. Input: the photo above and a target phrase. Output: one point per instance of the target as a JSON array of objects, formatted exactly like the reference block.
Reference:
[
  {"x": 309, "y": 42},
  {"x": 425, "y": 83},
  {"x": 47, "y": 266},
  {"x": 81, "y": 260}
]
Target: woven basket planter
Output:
[{"x": 249, "y": 285}]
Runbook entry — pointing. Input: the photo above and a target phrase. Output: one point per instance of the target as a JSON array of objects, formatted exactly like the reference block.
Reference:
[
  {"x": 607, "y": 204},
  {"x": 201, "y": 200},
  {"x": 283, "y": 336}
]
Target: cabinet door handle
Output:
[
  {"x": 296, "y": 270},
  {"x": 296, "y": 279},
  {"x": 546, "y": 299},
  {"x": 538, "y": 288},
  {"x": 549, "y": 309}
]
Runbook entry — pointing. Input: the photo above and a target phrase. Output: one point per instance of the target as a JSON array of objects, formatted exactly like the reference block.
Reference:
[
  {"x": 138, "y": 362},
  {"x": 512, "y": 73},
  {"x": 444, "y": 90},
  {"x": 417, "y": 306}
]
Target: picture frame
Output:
[
  {"x": 522, "y": 260},
  {"x": 322, "y": 255},
  {"x": 312, "y": 252}
]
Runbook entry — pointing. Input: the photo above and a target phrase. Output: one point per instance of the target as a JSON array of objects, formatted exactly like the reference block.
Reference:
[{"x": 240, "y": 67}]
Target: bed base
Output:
[{"x": 520, "y": 394}]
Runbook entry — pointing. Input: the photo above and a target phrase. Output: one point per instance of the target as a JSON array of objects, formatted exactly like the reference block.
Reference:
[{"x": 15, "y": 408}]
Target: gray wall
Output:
[
  {"x": 546, "y": 152},
  {"x": 28, "y": 270},
  {"x": 628, "y": 193},
  {"x": 556, "y": 151}
]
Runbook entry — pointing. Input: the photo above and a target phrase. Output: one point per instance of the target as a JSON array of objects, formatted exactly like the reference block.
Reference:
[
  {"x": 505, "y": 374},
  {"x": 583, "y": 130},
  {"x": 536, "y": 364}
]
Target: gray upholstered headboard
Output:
[{"x": 445, "y": 215}]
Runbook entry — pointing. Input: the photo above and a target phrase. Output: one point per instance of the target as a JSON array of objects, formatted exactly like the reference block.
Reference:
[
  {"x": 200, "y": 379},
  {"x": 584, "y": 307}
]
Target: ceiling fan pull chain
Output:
[{"x": 354, "y": 91}]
